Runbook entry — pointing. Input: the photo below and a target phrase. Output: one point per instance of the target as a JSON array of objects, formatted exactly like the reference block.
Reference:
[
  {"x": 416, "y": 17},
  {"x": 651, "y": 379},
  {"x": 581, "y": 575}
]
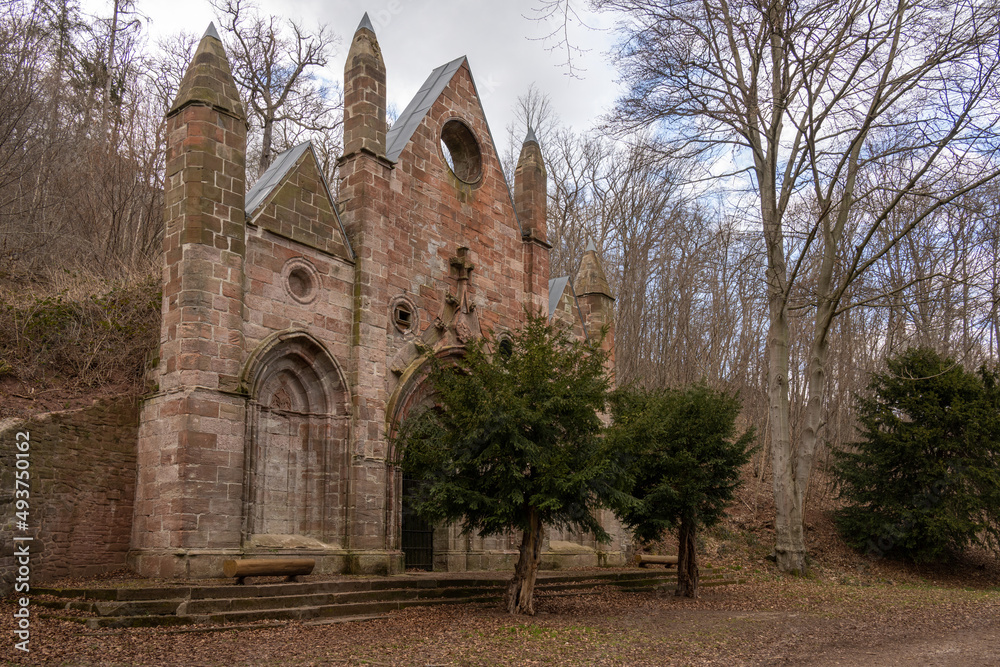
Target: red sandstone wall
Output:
[
  {"x": 82, "y": 475},
  {"x": 431, "y": 214},
  {"x": 406, "y": 224},
  {"x": 271, "y": 303},
  {"x": 567, "y": 314}
]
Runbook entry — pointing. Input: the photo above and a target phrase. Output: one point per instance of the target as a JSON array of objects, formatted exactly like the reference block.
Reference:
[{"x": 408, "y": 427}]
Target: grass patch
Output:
[{"x": 87, "y": 334}]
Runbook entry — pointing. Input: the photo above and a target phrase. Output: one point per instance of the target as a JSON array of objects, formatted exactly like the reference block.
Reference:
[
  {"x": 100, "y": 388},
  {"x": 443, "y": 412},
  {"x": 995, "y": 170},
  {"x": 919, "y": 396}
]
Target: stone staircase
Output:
[{"x": 344, "y": 598}]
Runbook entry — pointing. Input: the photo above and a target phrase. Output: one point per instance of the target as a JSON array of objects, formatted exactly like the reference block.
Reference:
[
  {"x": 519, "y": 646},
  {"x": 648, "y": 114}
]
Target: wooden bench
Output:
[
  {"x": 642, "y": 560},
  {"x": 268, "y": 567}
]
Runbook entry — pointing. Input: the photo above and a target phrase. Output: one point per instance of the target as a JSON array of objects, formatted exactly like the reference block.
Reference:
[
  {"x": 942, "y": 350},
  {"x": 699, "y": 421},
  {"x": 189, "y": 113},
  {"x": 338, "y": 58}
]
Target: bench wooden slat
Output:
[
  {"x": 267, "y": 567},
  {"x": 642, "y": 560}
]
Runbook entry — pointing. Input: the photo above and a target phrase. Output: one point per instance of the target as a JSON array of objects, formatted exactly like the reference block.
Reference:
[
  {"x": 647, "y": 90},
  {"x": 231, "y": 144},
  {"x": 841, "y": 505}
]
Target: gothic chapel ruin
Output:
[{"x": 295, "y": 320}]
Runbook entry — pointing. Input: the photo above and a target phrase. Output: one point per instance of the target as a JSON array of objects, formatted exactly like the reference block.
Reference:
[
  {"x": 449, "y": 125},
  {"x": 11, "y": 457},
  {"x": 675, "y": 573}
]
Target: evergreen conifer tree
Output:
[
  {"x": 512, "y": 443},
  {"x": 683, "y": 461},
  {"x": 924, "y": 479}
]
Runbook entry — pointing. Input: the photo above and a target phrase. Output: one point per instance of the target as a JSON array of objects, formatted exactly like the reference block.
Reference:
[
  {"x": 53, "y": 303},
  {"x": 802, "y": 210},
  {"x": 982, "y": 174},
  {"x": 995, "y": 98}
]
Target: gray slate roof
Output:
[
  {"x": 402, "y": 130},
  {"x": 211, "y": 32},
  {"x": 276, "y": 173},
  {"x": 366, "y": 23},
  {"x": 404, "y": 127},
  {"x": 556, "y": 288},
  {"x": 271, "y": 178}
]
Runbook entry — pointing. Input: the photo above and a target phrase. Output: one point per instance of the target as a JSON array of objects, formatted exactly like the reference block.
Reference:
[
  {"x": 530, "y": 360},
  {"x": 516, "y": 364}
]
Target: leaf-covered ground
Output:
[{"x": 771, "y": 620}]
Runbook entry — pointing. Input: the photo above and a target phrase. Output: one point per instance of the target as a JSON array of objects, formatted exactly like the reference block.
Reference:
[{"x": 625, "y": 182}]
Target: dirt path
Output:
[
  {"x": 968, "y": 647},
  {"x": 780, "y": 622}
]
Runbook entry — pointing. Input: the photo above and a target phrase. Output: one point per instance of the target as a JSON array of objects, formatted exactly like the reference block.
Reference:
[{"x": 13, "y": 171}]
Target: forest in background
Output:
[{"x": 81, "y": 160}]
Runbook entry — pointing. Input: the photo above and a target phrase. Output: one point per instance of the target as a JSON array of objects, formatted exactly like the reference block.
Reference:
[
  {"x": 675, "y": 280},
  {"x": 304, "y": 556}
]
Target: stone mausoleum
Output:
[{"x": 295, "y": 316}]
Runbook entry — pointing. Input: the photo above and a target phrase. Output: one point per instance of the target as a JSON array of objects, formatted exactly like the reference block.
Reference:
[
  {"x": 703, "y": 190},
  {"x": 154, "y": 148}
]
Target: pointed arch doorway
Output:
[
  {"x": 295, "y": 483},
  {"x": 419, "y": 540}
]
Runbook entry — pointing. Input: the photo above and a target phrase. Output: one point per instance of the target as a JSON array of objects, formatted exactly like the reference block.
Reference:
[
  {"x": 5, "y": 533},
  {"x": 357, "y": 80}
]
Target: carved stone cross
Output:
[
  {"x": 463, "y": 322},
  {"x": 463, "y": 268}
]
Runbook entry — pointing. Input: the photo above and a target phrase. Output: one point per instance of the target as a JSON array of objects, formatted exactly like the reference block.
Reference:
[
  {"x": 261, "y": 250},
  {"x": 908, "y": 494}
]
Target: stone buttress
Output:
[
  {"x": 530, "y": 193},
  {"x": 596, "y": 303},
  {"x": 364, "y": 192},
  {"x": 190, "y": 451}
]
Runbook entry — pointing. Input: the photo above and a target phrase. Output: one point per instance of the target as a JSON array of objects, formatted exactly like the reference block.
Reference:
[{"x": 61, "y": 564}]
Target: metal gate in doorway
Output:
[{"x": 417, "y": 534}]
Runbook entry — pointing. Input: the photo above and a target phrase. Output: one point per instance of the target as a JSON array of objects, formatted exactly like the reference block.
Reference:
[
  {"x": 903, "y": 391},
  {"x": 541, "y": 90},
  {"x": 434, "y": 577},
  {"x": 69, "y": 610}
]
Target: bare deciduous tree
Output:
[
  {"x": 841, "y": 113},
  {"x": 275, "y": 68},
  {"x": 836, "y": 117}
]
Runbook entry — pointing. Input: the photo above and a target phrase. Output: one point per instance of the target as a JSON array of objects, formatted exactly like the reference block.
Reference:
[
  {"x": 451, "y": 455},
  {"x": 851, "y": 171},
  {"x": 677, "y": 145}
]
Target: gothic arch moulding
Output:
[
  {"x": 412, "y": 392},
  {"x": 296, "y": 477}
]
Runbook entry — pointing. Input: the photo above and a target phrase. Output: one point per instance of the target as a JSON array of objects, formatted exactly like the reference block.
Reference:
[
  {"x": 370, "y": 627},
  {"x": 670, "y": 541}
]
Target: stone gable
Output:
[{"x": 295, "y": 327}]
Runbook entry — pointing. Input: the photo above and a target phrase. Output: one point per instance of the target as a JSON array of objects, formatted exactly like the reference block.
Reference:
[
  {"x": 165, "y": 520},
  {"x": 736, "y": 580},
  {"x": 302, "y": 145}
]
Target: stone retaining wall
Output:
[{"x": 81, "y": 465}]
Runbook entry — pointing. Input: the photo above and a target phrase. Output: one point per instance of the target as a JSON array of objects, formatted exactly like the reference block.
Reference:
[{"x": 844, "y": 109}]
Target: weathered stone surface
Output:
[
  {"x": 291, "y": 345},
  {"x": 209, "y": 80},
  {"x": 81, "y": 471}
]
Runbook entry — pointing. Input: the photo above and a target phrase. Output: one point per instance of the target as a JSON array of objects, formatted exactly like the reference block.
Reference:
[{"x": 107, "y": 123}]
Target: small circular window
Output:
[
  {"x": 404, "y": 315},
  {"x": 299, "y": 283},
  {"x": 301, "y": 280},
  {"x": 461, "y": 151}
]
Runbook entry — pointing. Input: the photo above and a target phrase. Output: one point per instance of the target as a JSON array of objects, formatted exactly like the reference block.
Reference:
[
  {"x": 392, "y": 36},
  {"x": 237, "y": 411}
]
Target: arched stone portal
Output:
[
  {"x": 407, "y": 532},
  {"x": 297, "y": 471},
  {"x": 440, "y": 547}
]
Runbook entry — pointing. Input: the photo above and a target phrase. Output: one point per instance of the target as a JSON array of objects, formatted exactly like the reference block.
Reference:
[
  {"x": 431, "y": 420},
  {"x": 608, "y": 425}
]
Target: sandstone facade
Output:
[{"x": 294, "y": 321}]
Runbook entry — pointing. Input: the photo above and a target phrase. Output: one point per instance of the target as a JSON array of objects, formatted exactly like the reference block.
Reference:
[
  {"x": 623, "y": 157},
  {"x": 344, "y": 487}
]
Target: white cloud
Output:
[{"x": 504, "y": 46}]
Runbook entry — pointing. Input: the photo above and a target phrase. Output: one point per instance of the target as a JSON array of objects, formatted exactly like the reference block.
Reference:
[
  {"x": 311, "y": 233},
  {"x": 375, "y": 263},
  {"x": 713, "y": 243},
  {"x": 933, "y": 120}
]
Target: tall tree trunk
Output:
[
  {"x": 789, "y": 548},
  {"x": 687, "y": 560},
  {"x": 266, "y": 156},
  {"x": 520, "y": 597},
  {"x": 110, "y": 66}
]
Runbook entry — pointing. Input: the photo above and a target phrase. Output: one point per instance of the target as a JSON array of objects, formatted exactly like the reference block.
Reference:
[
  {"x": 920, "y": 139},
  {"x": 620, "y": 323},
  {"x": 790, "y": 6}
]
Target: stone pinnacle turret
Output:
[
  {"x": 590, "y": 279},
  {"x": 596, "y": 303},
  {"x": 182, "y": 456},
  {"x": 530, "y": 202},
  {"x": 364, "y": 93},
  {"x": 530, "y": 188},
  {"x": 209, "y": 79}
]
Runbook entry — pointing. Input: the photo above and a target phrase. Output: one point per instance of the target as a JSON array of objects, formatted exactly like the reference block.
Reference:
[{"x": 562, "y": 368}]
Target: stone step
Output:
[
  {"x": 116, "y": 608},
  {"x": 290, "y": 601},
  {"x": 642, "y": 579},
  {"x": 232, "y": 590},
  {"x": 223, "y": 604},
  {"x": 323, "y": 599},
  {"x": 360, "y": 610}
]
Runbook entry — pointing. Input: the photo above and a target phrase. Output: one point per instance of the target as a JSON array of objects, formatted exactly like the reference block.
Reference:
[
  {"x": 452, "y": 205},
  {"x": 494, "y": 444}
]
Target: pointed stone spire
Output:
[
  {"x": 366, "y": 24},
  {"x": 211, "y": 32},
  {"x": 590, "y": 279},
  {"x": 209, "y": 79},
  {"x": 530, "y": 188},
  {"x": 596, "y": 303},
  {"x": 364, "y": 93},
  {"x": 529, "y": 201}
]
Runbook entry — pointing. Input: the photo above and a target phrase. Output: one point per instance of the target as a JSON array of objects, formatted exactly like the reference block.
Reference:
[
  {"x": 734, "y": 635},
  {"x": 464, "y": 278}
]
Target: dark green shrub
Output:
[{"x": 924, "y": 479}]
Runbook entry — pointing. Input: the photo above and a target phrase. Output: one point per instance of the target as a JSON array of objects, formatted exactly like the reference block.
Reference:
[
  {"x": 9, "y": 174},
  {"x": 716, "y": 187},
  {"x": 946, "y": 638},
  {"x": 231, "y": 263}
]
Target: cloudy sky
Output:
[{"x": 506, "y": 48}]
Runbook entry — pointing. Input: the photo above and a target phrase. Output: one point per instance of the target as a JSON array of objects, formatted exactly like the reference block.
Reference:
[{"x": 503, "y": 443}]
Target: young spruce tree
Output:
[
  {"x": 512, "y": 443},
  {"x": 683, "y": 459},
  {"x": 924, "y": 479}
]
